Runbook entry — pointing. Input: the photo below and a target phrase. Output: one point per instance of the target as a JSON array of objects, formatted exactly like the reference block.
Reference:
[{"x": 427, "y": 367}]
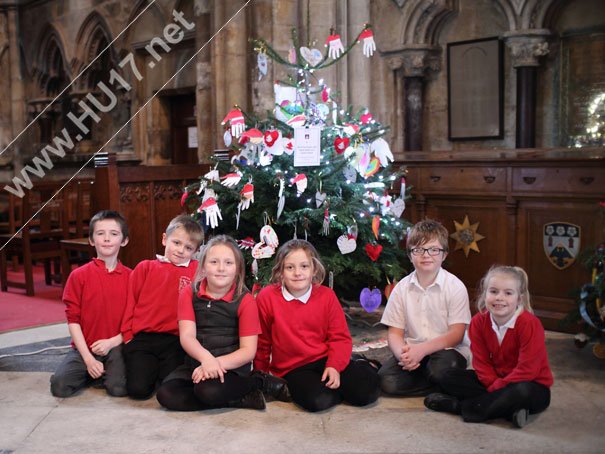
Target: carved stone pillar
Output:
[
  {"x": 526, "y": 47},
  {"x": 413, "y": 62}
]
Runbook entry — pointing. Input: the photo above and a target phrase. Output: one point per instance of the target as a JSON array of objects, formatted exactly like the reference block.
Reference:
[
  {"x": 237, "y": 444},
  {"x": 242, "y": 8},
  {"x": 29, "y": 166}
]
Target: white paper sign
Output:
[
  {"x": 307, "y": 146},
  {"x": 192, "y": 136}
]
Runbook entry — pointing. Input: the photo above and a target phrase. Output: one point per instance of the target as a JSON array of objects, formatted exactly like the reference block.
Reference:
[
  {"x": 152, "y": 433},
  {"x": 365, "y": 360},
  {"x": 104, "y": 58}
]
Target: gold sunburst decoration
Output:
[{"x": 466, "y": 236}]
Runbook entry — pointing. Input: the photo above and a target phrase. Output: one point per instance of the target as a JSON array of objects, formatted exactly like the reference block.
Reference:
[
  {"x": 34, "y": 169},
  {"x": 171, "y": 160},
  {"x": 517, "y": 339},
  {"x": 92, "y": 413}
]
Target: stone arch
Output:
[
  {"x": 92, "y": 43},
  {"x": 50, "y": 70},
  {"x": 143, "y": 28},
  {"x": 423, "y": 21},
  {"x": 529, "y": 14}
]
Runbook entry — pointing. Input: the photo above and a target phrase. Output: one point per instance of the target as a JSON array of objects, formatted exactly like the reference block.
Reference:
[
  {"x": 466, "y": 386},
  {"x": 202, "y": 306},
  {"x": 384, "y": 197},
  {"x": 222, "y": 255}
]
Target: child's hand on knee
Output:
[{"x": 333, "y": 377}]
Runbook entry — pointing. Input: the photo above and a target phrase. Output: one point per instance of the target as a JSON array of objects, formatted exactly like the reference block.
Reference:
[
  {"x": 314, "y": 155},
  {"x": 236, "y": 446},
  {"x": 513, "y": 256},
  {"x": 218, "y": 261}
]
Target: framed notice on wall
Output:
[{"x": 475, "y": 89}]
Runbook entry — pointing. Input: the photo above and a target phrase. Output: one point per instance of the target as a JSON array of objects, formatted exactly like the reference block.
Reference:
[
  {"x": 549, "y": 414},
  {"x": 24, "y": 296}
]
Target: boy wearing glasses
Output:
[{"x": 426, "y": 315}]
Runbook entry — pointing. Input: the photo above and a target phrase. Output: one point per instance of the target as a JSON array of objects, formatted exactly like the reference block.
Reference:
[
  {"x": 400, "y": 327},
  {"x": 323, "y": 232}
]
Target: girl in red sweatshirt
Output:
[
  {"x": 511, "y": 376},
  {"x": 305, "y": 338}
]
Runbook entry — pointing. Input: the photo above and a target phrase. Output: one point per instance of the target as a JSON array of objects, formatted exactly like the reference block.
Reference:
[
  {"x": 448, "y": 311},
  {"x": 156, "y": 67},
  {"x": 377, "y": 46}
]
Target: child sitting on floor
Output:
[
  {"x": 426, "y": 315},
  {"x": 512, "y": 377},
  {"x": 305, "y": 338},
  {"x": 218, "y": 328},
  {"x": 149, "y": 327},
  {"x": 95, "y": 298}
]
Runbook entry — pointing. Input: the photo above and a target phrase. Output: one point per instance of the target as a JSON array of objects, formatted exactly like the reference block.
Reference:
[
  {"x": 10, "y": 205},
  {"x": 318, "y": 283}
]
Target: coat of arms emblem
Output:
[{"x": 561, "y": 243}]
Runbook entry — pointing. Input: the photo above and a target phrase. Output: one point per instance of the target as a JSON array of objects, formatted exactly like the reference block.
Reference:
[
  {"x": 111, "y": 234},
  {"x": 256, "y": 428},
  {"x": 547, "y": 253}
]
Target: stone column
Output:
[
  {"x": 229, "y": 57},
  {"x": 16, "y": 91},
  {"x": 413, "y": 62},
  {"x": 203, "y": 93},
  {"x": 359, "y": 67},
  {"x": 526, "y": 47}
]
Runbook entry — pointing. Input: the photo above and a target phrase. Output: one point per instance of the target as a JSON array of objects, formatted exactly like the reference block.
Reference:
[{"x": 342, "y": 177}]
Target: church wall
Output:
[{"x": 226, "y": 72}]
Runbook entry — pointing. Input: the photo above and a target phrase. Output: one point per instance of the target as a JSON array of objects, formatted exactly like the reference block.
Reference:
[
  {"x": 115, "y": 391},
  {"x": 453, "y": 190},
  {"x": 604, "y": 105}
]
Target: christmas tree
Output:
[{"x": 309, "y": 169}]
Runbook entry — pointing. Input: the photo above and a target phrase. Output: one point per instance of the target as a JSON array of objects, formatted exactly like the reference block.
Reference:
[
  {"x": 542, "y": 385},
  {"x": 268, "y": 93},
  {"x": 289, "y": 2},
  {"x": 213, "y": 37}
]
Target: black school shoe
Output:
[
  {"x": 254, "y": 400},
  {"x": 272, "y": 386},
  {"x": 442, "y": 402},
  {"x": 374, "y": 363},
  {"x": 520, "y": 418}
]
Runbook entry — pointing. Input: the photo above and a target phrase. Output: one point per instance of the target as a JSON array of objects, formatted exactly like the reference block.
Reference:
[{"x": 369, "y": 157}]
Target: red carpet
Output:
[{"x": 18, "y": 311}]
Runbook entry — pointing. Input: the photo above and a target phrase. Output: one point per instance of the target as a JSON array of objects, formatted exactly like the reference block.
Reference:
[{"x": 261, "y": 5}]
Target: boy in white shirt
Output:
[{"x": 427, "y": 314}]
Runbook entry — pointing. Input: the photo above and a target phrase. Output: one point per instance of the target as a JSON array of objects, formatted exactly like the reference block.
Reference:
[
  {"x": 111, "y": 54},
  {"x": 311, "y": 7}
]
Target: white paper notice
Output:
[
  {"x": 307, "y": 146},
  {"x": 192, "y": 137}
]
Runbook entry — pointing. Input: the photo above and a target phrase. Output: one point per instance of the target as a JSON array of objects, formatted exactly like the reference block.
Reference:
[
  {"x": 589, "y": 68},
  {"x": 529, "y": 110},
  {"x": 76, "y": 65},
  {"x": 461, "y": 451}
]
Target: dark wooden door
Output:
[{"x": 182, "y": 118}]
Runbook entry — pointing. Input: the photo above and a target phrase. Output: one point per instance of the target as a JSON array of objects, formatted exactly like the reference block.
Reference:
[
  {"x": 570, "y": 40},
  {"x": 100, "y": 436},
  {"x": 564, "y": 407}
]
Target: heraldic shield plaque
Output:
[{"x": 561, "y": 243}]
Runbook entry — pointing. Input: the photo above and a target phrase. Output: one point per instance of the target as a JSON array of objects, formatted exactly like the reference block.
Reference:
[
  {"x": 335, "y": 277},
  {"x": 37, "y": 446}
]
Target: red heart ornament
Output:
[
  {"x": 271, "y": 137},
  {"x": 373, "y": 251},
  {"x": 341, "y": 144},
  {"x": 389, "y": 288}
]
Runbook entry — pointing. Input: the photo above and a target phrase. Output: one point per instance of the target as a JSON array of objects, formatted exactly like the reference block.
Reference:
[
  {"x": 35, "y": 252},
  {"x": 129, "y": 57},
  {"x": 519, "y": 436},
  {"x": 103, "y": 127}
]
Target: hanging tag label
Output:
[{"x": 307, "y": 146}]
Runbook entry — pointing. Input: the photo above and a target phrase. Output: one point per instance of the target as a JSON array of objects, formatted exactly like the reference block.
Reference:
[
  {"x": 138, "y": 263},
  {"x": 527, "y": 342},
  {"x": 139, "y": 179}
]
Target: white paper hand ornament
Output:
[
  {"x": 369, "y": 46},
  {"x": 335, "y": 45},
  {"x": 212, "y": 211}
]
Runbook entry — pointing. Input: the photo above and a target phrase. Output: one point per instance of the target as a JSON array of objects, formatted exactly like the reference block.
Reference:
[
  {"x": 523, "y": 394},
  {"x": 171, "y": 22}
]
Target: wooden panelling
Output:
[
  {"x": 511, "y": 195},
  {"x": 149, "y": 197},
  {"x": 478, "y": 179},
  {"x": 583, "y": 180}
]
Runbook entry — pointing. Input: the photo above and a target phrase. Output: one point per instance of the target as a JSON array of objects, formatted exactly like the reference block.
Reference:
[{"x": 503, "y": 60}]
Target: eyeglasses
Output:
[{"x": 419, "y": 251}]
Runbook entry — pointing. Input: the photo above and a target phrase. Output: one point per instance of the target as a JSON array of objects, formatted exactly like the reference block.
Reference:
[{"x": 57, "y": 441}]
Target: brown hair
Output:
[
  {"x": 190, "y": 225},
  {"x": 513, "y": 271},
  {"x": 319, "y": 272},
  {"x": 104, "y": 215},
  {"x": 426, "y": 230},
  {"x": 240, "y": 264}
]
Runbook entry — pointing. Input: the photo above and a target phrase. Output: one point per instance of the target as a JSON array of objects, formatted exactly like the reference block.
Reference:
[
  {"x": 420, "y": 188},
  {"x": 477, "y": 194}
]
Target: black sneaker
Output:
[
  {"x": 442, "y": 402},
  {"x": 254, "y": 400},
  {"x": 273, "y": 386},
  {"x": 520, "y": 417}
]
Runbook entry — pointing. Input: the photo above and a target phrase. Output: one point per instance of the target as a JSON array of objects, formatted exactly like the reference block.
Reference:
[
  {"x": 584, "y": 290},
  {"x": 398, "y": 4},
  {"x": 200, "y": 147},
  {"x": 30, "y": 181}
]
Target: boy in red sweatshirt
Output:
[
  {"x": 95, "y": 298},
  {"x": 151, "y": 336}
]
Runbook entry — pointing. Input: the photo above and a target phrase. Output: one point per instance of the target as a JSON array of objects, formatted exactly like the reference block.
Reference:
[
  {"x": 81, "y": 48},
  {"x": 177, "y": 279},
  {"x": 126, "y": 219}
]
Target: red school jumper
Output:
[
  {"x": 295, "y": 334},
  {"x": 96, "y": 298},
  {"x": 153, "y": 293},
  {"x": 520, "y": 357}
]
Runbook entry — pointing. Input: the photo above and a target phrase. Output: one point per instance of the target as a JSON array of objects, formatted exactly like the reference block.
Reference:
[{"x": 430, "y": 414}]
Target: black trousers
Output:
[
  {"x": 359, "y": 386},
  {"x": 149, "y": 358},
  {"x": 179, "y": 393},
  {"x": 478, "y": 405},
  {"x": 422, "y": 380}
]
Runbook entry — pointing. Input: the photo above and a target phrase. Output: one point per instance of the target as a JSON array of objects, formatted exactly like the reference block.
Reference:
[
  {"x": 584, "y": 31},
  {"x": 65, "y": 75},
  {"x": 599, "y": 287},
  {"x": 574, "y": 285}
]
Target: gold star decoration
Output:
[{"x": 466, "y": 236}]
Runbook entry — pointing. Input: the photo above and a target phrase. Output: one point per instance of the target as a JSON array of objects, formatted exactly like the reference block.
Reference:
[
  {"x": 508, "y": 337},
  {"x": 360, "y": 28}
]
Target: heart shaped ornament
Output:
[
  {"x": 313, "y": 56},
  {"x": 389, "y": 288},
  {"x": 373, "y": 251},
  {"x": 370, "y": 299},
  {"x": 397, "y": 207},
  {"x": 346, "y": 244},
  {"x": 271, "y": 137},
  {"x": 320, "y": 198},
  {"x": 341, "y": 144}
]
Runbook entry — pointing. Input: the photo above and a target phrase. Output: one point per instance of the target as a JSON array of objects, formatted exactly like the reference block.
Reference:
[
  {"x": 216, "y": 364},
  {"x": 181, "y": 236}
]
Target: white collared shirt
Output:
[
  {"x": 163, "y": 259},
  {"x": 425, "y": 314},
  {"x": 501, "y": 330},
  {"x": 289, "y": 297}
]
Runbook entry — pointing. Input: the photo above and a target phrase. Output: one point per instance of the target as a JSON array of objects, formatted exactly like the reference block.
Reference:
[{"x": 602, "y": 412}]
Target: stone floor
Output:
[{"x": 32, "y": 421}]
